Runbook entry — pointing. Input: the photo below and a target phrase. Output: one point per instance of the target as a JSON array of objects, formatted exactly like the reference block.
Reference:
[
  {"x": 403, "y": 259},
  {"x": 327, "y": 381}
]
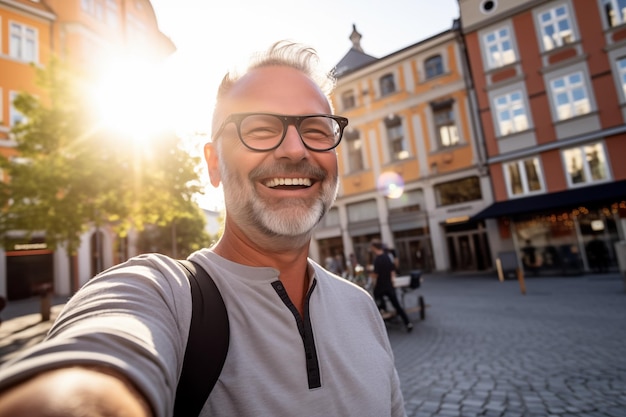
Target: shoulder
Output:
[{"x": 342, "y": 287}]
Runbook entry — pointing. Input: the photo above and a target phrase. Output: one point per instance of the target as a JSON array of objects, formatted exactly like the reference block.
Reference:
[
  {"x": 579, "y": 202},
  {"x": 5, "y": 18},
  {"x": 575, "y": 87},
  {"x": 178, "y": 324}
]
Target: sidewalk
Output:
[{"x": 22, "y": 325}]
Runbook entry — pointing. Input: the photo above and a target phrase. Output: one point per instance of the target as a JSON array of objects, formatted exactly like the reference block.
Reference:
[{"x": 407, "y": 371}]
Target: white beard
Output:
[{"x": 293, "y": 217}]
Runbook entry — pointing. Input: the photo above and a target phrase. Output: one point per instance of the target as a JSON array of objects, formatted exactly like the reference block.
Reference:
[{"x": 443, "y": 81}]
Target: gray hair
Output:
[{"x": 289, "y": 54}]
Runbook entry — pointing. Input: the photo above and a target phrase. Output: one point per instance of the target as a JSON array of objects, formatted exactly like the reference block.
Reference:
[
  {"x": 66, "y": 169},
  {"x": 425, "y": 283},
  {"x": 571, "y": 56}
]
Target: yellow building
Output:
[
  {"x": 411, "y": 164},
  {"x": 89, "y": 35}
]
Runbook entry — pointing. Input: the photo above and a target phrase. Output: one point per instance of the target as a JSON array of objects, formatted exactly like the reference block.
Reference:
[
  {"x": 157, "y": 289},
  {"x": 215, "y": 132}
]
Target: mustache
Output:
[{"x": 301, "y": 169}]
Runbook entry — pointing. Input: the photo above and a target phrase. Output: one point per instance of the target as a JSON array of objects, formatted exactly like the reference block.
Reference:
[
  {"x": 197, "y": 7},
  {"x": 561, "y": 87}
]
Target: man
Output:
[
  {"x": 302, "y": 341},
  {"x": 383, "y": 273}
]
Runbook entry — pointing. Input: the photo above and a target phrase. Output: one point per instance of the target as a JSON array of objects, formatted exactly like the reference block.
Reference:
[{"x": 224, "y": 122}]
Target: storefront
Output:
[
  {"x": 29, "y": 269},
  {"x": 572, "y": 231}
]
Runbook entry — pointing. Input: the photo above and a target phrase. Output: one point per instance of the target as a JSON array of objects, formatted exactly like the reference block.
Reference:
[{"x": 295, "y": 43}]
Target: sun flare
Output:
[{"x": 129, "y": 98}]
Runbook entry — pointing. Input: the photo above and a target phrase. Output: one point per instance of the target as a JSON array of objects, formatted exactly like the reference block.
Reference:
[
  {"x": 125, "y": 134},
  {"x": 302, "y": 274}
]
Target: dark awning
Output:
[{"x": 606, "y": 193}]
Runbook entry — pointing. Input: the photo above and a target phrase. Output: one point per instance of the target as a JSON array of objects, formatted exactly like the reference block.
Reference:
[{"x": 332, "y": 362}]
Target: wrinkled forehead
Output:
[{"x": 272, "y": 89}]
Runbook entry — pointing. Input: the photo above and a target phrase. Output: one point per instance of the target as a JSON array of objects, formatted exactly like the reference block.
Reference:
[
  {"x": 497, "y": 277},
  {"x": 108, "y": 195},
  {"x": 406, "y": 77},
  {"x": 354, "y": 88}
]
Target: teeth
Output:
[{"x": 275, "y": 182}]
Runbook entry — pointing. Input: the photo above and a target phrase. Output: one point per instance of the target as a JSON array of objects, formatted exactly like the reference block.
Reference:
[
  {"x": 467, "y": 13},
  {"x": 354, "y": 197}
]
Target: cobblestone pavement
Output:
[{"x": 485, "y": 349}]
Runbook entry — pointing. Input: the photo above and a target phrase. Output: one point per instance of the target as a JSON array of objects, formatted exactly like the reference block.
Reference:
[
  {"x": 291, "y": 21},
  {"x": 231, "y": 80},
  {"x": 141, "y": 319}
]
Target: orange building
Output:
[
  {"x": 550, "y": 81},
  {"x": 411, "y": 166},
  {"x": 88, "y": 35}
]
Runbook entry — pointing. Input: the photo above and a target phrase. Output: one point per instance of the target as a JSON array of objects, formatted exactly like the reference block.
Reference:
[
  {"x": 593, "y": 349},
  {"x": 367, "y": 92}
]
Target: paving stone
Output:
[{"x": 555, "y": 351}]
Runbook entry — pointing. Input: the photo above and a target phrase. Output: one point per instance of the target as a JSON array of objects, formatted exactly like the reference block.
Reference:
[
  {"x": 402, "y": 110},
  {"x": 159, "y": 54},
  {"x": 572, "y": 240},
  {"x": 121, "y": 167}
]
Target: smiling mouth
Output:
[{"x": 288, "y": 183}]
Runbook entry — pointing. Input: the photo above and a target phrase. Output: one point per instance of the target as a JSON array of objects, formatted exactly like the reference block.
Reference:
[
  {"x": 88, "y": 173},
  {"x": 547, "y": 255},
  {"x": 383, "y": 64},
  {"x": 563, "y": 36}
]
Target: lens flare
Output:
[{"x": 391, "y": 184}]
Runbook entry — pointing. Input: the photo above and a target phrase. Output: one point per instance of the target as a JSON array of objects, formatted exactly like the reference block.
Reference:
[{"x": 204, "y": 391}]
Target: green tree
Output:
[
  {"x": 178, "y": 238},
  {"x": 70, "y": 173}
]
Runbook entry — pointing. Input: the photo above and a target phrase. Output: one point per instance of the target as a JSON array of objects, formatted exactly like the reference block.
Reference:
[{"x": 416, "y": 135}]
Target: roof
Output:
[
  {"x": 594, "y": 195},
  {"x": 351, "y": 61},
  {"x": 32, "y": 6}
]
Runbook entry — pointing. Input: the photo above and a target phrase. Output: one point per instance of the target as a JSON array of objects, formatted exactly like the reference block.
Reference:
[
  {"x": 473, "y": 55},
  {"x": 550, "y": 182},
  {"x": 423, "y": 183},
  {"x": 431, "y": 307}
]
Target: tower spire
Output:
[{"x": 355, "y": 37}]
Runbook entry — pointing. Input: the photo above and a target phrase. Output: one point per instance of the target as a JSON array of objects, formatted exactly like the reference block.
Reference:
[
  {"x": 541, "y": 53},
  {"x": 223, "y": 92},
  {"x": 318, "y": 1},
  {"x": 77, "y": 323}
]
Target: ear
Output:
[{"x": 212, "y": 162}]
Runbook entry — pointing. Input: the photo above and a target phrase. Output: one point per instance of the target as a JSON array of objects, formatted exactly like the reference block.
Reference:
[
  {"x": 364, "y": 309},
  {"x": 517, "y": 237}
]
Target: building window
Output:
[
  {"x": 621, "y": 71},
  {"x": 15, "y": 117},
  {"x": 331, "y": 219},
  {"x": 445, "y": 125},
  {"x": 586, "y": 164},
  {"x": 348, "y": 101},
  {"x": 570, "y": 96},
  {"x": 511, "y": 113},
  {"x": 355, "y": 150},
  {"x": 24, "y": 44},
  {"x": 499, "y": 48},
  {"x": 387, "y": 85},
  {"x": 94, "y": 8},
  {"x": 112, "y": 13},
  {"x": 556, "y": 27},
  {"x": 396, "y": 140},
  {"x": 523, "y": 177},
  {"x": 433, "y": 66},
  {"x": 458, "y": 191},
  {"x": 363, "y": 211},
  {"x": 411, "y": 201},
  {"x": 615, "y": 11}
]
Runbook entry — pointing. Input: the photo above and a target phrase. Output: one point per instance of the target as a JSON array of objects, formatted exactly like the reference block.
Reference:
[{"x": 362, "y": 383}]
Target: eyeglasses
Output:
[{"x": 266, "y": 131}]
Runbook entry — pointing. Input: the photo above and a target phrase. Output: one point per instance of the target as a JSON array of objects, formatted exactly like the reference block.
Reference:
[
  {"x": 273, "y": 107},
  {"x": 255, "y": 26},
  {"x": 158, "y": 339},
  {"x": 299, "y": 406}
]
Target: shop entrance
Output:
[
  {"x": 468, "y": 248},
  {"x": 26, "y": 273},
  {"x": 414, "y": 251}
]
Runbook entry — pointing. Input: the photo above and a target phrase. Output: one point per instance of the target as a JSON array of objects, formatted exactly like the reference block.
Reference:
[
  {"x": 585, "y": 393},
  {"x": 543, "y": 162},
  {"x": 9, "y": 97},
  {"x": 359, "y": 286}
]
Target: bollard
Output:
[
  {"x": 45, "y": 299},
  {"x": 499, "y": 270},
  {"x": 520, "y": 278},
  {"x": 45, "y": 306},
  {"x": 3, "y": 304}
]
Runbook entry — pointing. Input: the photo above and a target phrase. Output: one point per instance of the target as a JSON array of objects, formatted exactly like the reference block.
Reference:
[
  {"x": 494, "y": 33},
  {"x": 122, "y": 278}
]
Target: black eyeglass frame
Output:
[{"x": 287, "y": 120}]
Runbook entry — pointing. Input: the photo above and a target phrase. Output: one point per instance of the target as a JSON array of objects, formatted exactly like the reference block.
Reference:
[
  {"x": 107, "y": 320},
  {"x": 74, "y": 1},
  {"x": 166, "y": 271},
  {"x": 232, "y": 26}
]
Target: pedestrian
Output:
[
  {"x": 597, "y": 254},
  {"x": 302, "y": 341},
  {"x": 383, "y": 271},
  {"x": 530, "y": 258}
]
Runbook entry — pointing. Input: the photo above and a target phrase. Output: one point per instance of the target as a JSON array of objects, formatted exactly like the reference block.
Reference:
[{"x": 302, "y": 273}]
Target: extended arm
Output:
[{"x": 73, "y": 392}]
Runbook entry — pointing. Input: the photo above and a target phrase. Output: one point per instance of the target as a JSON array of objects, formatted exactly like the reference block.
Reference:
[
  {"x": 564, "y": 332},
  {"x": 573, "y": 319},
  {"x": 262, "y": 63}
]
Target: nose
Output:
[{"x": 292, "y": 146}]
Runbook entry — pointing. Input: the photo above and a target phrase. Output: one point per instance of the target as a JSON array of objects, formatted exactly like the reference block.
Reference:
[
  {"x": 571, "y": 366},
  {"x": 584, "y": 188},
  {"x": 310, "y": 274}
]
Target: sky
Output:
[{"x": 211, "y": 36}]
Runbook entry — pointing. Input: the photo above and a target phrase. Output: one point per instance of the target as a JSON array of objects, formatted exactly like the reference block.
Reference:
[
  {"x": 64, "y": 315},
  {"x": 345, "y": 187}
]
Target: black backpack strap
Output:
[{"x": 207, "y": 344}]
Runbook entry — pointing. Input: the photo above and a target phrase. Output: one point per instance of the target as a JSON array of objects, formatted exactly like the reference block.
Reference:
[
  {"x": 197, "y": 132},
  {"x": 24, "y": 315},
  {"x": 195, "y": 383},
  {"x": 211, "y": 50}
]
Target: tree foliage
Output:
[
  {"x": 178, "y": 238},
  {"x": 71, "y": 173}
]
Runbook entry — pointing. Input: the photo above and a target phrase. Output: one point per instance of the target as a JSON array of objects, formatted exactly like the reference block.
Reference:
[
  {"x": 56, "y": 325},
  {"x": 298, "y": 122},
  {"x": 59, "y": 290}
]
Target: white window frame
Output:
[
  {"x": 502, "y": 55},
  {"x": 560, "y": 36},
  {"x": 353, "y": 137},
  {"x": 24, "y": 35},
  {"x": 570, "y": 88},
  {"x": 621, "y": 74},
  {"x": 511, "y": 105},
  {"x": 362, "y": 211},
  {"x": 392, "y": 126},
  {"x": 587, "y": 170},
  {"x": 441, "y": 51},
  {"x": 617, "y": 18},
  {"x": 112, "y": 13},
  {"x": 383, "y": 79},
  {"x": 440, "y": 61},
  {"x": 452, "y": 129},
  {"x": 524, "y": 177},
  {"x": 15, "y": 115},
  {"x": 345, "y": 97}
]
